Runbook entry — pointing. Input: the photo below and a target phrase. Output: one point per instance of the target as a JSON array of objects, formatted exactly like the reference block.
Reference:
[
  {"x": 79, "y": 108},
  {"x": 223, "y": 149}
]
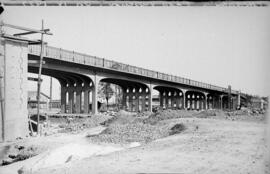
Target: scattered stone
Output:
[
  {"x": 12, "y": 156},
  {"x": 177, "y": 128},
  {"x": 7, "y": 161}
]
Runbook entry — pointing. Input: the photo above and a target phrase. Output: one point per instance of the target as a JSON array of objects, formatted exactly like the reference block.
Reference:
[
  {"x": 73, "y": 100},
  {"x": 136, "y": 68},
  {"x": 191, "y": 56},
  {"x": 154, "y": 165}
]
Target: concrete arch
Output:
[
  {"x": 131, "y": 101},
  {"x": 195, "y": 100},
  {"x": 68, "y": 81},
  {"x": 170, "y": 97}
]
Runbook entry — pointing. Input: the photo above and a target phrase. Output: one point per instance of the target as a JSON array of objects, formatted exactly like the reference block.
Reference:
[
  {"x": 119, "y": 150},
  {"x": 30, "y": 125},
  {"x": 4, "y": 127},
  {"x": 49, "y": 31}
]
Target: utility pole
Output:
[{"x": 39, "y": 78}]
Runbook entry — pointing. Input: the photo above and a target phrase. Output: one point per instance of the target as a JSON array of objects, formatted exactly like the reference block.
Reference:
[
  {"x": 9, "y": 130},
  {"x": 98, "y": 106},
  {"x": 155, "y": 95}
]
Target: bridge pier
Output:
[
  {"x": 161, "y": 98},
  {"x": 137, "y": 100},
  {"x": 166, "y": 99},
  {"x": 238, "y": 100},
  {"x": 184, "y": 99},
  {"x": 177, "y": 98},
  {"x": 221, "y": 103},
  {"x": 95, "y": 95},
  {"x": 124, "y": 99},
  {"x": 63, "y": 98},
  {"x": 205, "y": 100},
  {"x": 130, "y": 101},
  {"x": 78, "y": 99},
  {"x": 196, "y": 102},
  {"x": 150, "y": 97},
  {"x": 71, "y": 99},
  {"x": 200, "y": 102},
  {"x": 143, "y": 100},
  {"x": 86, "y": 100}
]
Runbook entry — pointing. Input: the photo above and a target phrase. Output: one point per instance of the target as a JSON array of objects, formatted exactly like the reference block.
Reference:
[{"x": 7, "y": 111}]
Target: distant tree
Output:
[
  {"x": 105, "y": 92},
  {"x": 118, "y": 95}
]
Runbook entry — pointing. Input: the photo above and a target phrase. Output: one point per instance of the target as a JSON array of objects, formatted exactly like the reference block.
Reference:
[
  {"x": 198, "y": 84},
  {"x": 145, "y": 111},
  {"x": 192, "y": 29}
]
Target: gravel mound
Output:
[
  {"x": 210, "y": 113},
  {"x": 76, "y": 124},
  {"x": 129, "y": 127},
  {"x": 168, "y": 114},
  {"x": 132, "y": 132}
]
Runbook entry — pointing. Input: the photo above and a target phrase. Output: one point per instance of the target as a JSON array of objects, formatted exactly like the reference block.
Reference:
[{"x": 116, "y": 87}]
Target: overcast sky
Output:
[{"x": 218, "y": 45}]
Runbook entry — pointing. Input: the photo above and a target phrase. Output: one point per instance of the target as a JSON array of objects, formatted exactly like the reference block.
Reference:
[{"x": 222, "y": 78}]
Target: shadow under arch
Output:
[{"x": 134, "y": 95}]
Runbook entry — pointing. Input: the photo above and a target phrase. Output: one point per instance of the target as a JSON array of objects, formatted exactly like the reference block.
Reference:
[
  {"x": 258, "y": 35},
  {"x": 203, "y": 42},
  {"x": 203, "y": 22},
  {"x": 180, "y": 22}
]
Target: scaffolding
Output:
[{"x": 17, "y": 36}]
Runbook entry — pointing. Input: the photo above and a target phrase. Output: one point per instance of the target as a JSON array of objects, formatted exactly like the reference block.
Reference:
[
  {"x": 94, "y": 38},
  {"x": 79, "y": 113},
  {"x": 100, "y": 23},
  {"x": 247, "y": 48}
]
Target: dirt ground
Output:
[{"x": 216, "y": 144}]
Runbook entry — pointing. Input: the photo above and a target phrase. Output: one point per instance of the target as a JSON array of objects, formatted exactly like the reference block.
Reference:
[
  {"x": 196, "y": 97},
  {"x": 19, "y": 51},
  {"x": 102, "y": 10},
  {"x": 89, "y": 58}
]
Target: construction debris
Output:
[
  {"x": 19, "y": 153},
  {"x": 128, "y": 127}
]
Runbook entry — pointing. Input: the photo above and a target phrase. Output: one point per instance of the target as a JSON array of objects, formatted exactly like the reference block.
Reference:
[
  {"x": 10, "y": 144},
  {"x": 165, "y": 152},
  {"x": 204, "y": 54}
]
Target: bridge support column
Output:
[
  {"x": 150, "y": 97},
  {"x": 216, "y": 102},
  {"x": 95, "y": 94},
  {"x": 86, "y": 100},
  {"x": 130, "y": 103},
  {"x": 63, "y": 99},
  {"x": 184, "y": 99},
  {"x": 78, "y": 99},
  {"x": 177, "y": 101},
  {"x": 200, "y": 102},
  {"x": 238, "y": 100},
  {"x": 70, "y": 99},
  {"x": 206, "y": 104},
  {"x": 166, "y": 100},
  {"x": 124, "y": 100},
  {"x": 143, "y": 101},
  {"x": 195, "y": 102},
  {"x": 174, "y": 105},
  {"x": 221, "y": 102},
  {"x": 94, "y": 100},
  {"x": 161, "y": 98},
  {"x": 137, "y": 100},
  {"x": 170, "y": 98}
]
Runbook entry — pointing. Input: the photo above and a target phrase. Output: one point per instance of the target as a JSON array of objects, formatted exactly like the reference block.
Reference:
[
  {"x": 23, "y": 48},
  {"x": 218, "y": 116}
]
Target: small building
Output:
[{"x": 32, "y": 100}]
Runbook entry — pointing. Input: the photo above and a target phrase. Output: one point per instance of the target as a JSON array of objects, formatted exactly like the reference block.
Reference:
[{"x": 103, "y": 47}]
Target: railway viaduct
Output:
[{"x": 80, "y": 74}]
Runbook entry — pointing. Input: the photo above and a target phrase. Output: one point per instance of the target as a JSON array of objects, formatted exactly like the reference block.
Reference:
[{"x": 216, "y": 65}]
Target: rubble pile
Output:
[
  {"x": 18, "y": 153},
  {"x": 168, "y": 114},
  {"x": 247, "y": 111},
  {"x": 76, "y": 124},
  {"x": 128, "y": 127},
  {"x": 144, "y": 114},
  {"x": 109, "y": 113},
  {"x": 131, "y": 132},
  {"x": 209, "y": 113}
]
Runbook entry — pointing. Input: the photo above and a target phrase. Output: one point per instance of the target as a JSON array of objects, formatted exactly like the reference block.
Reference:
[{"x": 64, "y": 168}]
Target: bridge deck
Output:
[{"x": 75, "y": 57}]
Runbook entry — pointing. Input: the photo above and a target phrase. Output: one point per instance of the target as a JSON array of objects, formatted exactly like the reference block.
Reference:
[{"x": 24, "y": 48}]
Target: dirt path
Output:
[
  {"x": 47, "y": 145},
  {"x": 217, "y": 146}
]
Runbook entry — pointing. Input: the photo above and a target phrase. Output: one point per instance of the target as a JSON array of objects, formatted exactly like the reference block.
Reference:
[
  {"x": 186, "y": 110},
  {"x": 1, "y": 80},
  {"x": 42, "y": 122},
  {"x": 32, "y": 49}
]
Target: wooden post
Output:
[{"x": 39, "y": 77}]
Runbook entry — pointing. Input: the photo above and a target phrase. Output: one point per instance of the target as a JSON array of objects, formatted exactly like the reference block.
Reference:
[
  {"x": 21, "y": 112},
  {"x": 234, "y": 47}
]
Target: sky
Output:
[{"x": 217, "y": 45}]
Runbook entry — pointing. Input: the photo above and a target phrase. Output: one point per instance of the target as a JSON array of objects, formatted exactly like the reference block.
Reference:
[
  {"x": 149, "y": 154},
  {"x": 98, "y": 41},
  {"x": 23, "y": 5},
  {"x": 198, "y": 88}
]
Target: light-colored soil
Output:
[{"x": 207, "y": 146}]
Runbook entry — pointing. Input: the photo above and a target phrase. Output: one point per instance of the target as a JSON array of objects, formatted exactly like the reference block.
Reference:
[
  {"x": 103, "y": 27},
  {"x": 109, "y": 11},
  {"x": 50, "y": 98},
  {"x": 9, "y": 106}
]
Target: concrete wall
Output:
[{"x": 13, "y": 66}]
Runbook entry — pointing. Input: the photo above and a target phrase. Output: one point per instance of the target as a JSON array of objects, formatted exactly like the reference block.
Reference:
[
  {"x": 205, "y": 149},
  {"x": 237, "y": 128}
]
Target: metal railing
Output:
[{"x": 71, "y": 56}]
